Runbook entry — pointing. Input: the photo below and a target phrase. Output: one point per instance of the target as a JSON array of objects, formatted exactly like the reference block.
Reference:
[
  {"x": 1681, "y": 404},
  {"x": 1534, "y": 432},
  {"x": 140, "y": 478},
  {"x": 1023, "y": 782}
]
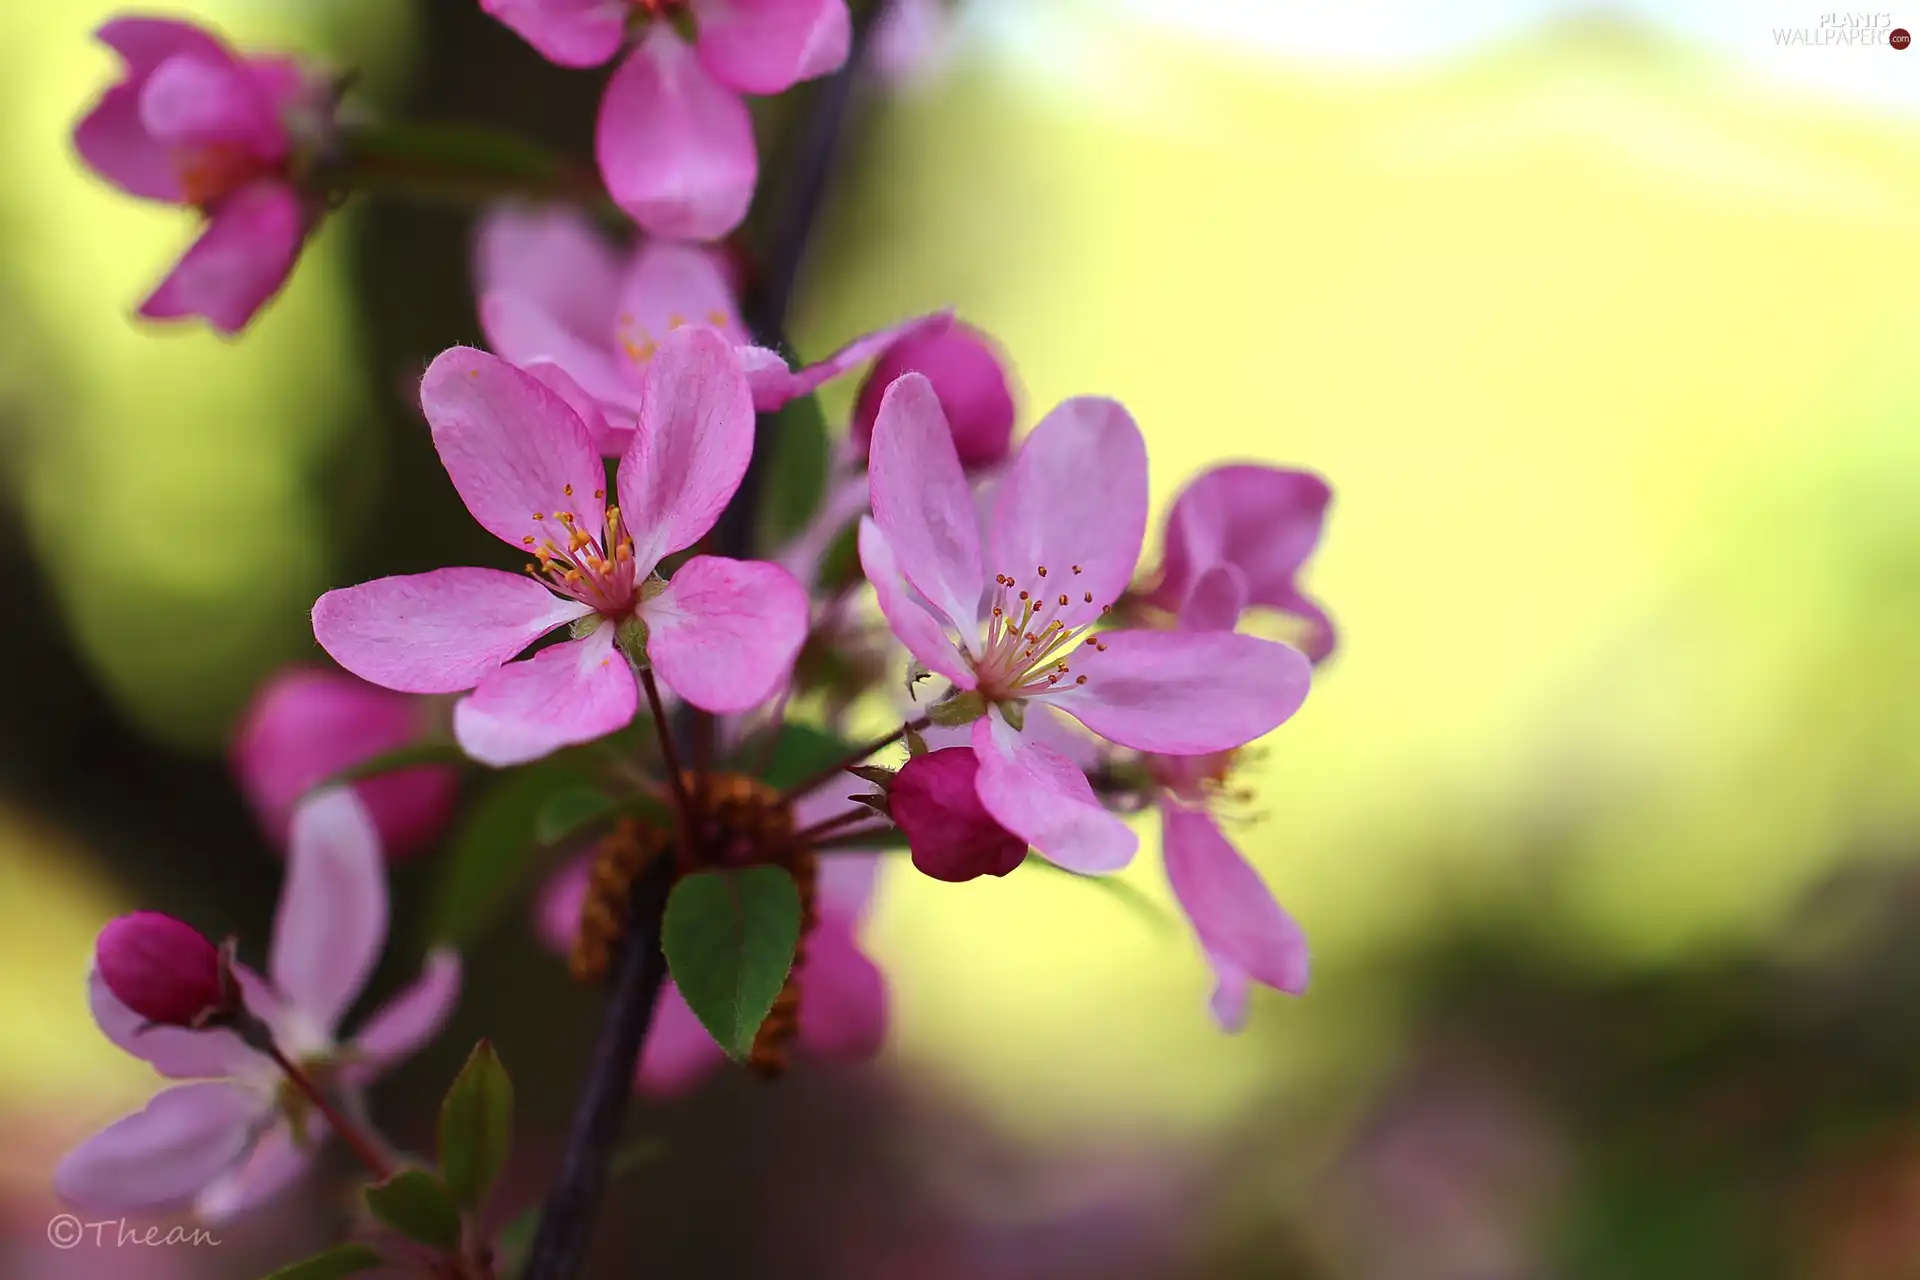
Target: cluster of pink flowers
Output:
[{"x": 1053, "y": 689}]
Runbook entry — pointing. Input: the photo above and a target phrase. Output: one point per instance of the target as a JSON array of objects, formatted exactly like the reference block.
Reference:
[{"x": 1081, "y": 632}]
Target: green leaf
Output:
[
  {"x": 569, "y": 812},
  {"x": 476, "y": 1126},
  {"x": 408, "y": 757},
  {"x": 491, "y": 851},
  {"x": 797, "y": 475},
  {"x": 801, "y": 752},
  {"x": 730, "y": 938},
  {"x": 515, "y": 1242},
  {"x": 418, "y": 1206},
  {"x": 341, "y": 1260},
  {"x": 1126, "y": 894}
]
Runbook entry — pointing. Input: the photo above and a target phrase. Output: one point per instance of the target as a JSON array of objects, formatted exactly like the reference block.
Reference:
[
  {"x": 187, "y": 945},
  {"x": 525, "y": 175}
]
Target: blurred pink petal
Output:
[
  {"x": 332, "y": 919},
  {"x": 171, "y": 1051},
  {"x": 242, "y": 258},
  {"x": 275, "y": 1163},
  {"x": 404, "y": 1024},
  {"x": 1244, "y": 932},
  {"x": 765, "y": 46},
  {"x": 182, "y": 1140},
  {"x": 969, "y": 377},
  {"x": 194, "y": 101},
  {"x": 572, "y": 33},
  {"x": 679, "y": 1051},
  {"x": 676, "y": 148},
  {"x": 519, "y": 329},
  {"x": 568, "y": 693},
  {"x": 555, "y": 259}
]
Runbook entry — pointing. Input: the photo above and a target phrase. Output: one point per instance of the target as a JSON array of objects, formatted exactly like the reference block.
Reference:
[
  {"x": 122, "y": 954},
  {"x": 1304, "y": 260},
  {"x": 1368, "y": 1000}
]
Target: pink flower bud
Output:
[
  {"x": 951, "y": 834},
  {"x": 969, "y": 378},
  {"x": 163, "y": 969}
]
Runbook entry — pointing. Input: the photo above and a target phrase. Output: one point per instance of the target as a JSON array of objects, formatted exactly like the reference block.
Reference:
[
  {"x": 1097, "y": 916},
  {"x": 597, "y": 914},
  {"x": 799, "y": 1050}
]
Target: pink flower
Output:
[
  {"x": 843, "y": 995},
  {"x": 163, "y": 969},
  {"x": 228, "y": 1139},
  {"x": 722, "y": 634},
  {"x": 935, "y": 803},
  {"x": 307, "y": 724},
  {"x": 194, "y": 124},
  {"x": 1260, "y": 524},
  {"x": 563, "y": 304},
  {"x": 674, "y": 139},
  {"x": 1005, "y": 608},
  {"x": 969, "y": 376}
]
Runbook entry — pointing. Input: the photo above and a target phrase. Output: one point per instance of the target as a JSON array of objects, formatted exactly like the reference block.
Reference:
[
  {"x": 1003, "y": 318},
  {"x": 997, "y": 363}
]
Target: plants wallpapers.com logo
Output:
[{"x": 1847, "y": 29}]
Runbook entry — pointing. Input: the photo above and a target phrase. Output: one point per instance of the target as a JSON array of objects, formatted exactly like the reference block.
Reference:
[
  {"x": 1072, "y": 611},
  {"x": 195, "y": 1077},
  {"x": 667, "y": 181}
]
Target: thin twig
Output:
[
  {"x": 852, "y": 758},
  {"x": 670, "y": 759},
  {"x": 358, "y": 1142}
]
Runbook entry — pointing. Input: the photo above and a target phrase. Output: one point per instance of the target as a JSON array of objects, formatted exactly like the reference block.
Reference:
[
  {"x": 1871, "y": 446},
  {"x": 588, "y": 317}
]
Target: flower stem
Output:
[
  {"x": 361, "y": 1145},
  {"x": 807, "y": 836},
  {"x": 458, "y": 165},
  {"x": 854, "y": 757},
  {"x": 670, "y": 758}
]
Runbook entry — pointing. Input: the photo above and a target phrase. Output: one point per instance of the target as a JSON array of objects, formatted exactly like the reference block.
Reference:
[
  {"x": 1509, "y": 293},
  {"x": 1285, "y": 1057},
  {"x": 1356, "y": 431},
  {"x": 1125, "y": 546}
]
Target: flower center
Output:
[
  {"x": 211, "y": 173},
  {"x": 595, "y": 569},
  {"x": 1029, "y": 648},
  {"x": 1205, "y": 781},
  {"x": 638, "y": 342}
]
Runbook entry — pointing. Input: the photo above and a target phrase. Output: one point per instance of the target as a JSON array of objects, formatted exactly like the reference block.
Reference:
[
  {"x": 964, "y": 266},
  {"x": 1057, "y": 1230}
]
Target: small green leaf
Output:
[
  {"x": 801, "y": 752},
  {"x": 1126, "y": 894},
  {"x": 730, "y": 938},
  {"x": 476, "y": 1126},
  {"x": 407, "y": 757},
  {"x": 341, "y": 1260},
  {"x": 418, "y": 1206},
  {"x": 491, "y": 851},
  {"x": 797, "y": 475},
  {"x": 515, "y": 1242},
  {"x": 570, "y": 812}
]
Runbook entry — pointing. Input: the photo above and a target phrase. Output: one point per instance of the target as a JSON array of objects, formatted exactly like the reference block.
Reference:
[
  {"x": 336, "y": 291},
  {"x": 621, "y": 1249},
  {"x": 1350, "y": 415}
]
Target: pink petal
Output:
[
  {"x": 332, "y": 919},
  {"x": 145, "y": 43},
  {"x": 679, "y": 1051},
  {"x": 1244, "y": 932},
  {"x": 968, "y": 373},
  {"x": 690, "y": 445},
  {"x": 1184, "y": 693},
  {"x": 936, "y": 805},
  {"x": 843, "y": 995},
  {"x": 572, "y": 33},
  {"x": 846, "y": 883},
  {"x": 911, "y": 620},
  {"x": 675, "y": 148},
  {"x": 513, "y": 449},
  {"x": 910, "y": 39},
  {"x": 724, "y": 633},
  {"x": 184, "y": 1138},
  {"x": 1040, "y": 795},
  {"x": 399, "y": 1028},
  {"x": 1216, "y": 601},
  {"x": 305, "y": 725},
  {"x": 275, "y": 1163},
  {"x": 765, "y": 46},
  {"x": 118, "y": 147},
  {"x": 191, "y": 102},
  {"x": 288, "y": 83},
  {"x": 565, "y": 694},
  {"x": 555, "y": 260},
  {"x": 172, "y": 1051},
  {"x": 556, "y": 913},
  {"x": 922, "y": 504},
  {"x": 522, "y": 331},
  {"x": 437, "y": 632},
  {"x": 670, "y": 285},
  {"x": 774, "y": 384},
  {"x": 240, "y": 260},
  {"x": 608, "y": 440}
]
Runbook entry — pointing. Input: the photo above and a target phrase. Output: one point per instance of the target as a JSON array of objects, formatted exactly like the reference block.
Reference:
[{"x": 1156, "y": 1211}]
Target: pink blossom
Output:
[
  {"x": 674, "y": 138},
  {"x": 969, "y": 376},
  {"x": 228, "y": 1139},
  {"x": 163, "y": 969},
  {"x": 307, "y": 724},
  {"x": 1259, "y": 523},
  {"x": 586, "y": 319},
  {"x": 843, "y": 995},
  {"x": 722, "y": 634},
  {"x": 192, "y": 123},
  {"x": 936, "y": 804},
  {"x": 1006, "y": 609}
]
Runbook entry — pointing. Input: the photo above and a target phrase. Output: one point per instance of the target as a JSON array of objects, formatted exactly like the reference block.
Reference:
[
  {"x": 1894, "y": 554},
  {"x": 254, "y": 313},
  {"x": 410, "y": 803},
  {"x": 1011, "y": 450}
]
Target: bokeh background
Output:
[{"x": 1604, "y": 823}]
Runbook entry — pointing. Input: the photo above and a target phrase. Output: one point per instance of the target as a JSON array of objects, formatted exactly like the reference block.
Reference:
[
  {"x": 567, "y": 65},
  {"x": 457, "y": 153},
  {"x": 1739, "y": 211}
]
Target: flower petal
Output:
[
  {"x": 571, "y": 33},
  {"x": 332, "y": 919},
  {"x": 398, "y": 1028},
  {"x": 437, "y": 632},
  {"x": 1036, "y": 793},
  {"x": 118, "y": 147},
  {"x": 172, "y": 1051},
  {"x": 191, "y": 102},
  {"x": 675, "y": 148},
  {"x": 556, "y": 911},
  {"x": 1184, "y": 693},
  {"x": 679, "y": 1051},
  {"x": 565, "y": 694},
  {"x": 182, "y": 1140},
  {"x": 1075, "y": 494},
  {"x": 690, "y": 445},
  {"x": 521, "y": 330},
  {"x": 275, "y": 1163},
  {"x": 513, "y": 449},
  {"x": 609, "y": 440},
  {"x": 774, "y": 384},
  {"x": 144, "y": 43},
  {"x": 670, "y": 285},
  {"x": 724, "y": 633},
  {"x": 554, "y": 259},
  {"x": 238, "y": 263},
  {"x": 1216, "y": 601},
  {"x": 843, "y": 995},
  {"x": 913, "y": 622},
  {"x": 1244, "y": 932},
  {"x": 922, "y": 504},
  {"x": 765, "y": 46}
]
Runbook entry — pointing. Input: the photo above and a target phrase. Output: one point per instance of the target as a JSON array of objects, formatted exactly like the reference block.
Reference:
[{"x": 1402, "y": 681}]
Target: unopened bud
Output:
[
  {"x": 969, "y": 378},
  {"x": 950, "y": 833},
  {"x": 163, "y": 969}
]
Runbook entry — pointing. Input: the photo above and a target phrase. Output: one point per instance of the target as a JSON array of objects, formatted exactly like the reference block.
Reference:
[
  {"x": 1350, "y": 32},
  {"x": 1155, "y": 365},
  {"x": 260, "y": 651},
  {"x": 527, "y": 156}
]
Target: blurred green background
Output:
[{"x": 1604, "y": 823}]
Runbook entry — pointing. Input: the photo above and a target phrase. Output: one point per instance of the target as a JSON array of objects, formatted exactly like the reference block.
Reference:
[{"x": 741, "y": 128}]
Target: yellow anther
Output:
[
  {"x": 1043, "y": 571},
  {"x": 1076, "y": 569},
  {"x": 1089, "y": 597},
  {"x": 676, "y": 320},
  {"x": 599, "y": 493},
  {"x": 718, "y": 318},
  {"x": 1063, "y": 600},
  {"x": 568, "y": 490},
  {"x": 527, "y": 541}
]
